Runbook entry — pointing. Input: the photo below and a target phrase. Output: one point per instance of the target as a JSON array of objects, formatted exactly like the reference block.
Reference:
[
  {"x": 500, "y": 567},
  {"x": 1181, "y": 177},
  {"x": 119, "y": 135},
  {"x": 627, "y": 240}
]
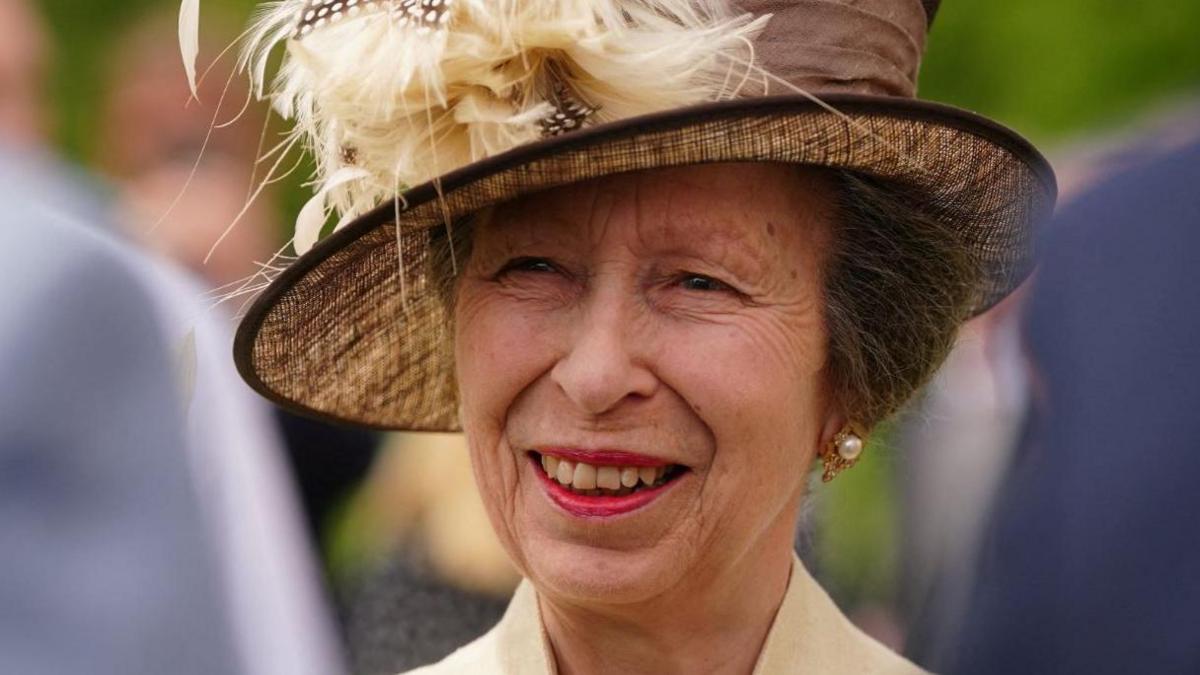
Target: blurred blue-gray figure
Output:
[
  {"x": 104, "y": 562},
  {"x": 147, "y": 520},
  {"x": 1092, "y": 564}
]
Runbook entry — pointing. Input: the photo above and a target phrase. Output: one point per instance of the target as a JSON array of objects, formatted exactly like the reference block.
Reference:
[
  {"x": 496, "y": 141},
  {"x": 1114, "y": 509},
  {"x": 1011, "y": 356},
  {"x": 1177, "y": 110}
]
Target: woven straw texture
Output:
[{"x": 345, "y": 335}]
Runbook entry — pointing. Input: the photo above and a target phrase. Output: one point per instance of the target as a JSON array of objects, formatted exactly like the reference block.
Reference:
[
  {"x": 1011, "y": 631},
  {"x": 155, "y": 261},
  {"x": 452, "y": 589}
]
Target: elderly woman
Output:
[{"x": 661, "y": 258}]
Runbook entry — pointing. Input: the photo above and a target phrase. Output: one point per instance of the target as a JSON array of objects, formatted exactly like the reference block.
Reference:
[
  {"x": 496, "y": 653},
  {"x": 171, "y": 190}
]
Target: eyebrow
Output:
[{"x": 720, "y": 242}]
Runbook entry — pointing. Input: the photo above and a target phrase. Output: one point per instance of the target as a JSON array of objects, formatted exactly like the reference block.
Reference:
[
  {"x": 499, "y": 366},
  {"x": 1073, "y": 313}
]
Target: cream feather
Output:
[
  {"x": 189, "y": 39},
  {"x": 314, "y": 214},
  {"x": 406, "y": 90}
]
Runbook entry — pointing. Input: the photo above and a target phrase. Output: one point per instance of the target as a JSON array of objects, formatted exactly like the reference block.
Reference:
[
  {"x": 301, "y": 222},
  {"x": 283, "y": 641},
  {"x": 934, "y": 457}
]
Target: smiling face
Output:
[{"x": 668, "y": 324}]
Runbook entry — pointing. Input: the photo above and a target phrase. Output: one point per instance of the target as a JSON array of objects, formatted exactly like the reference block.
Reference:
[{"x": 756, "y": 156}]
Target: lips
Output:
[
  {"x": 617, "y": 458},
  {"x": 602, "y": 483}
]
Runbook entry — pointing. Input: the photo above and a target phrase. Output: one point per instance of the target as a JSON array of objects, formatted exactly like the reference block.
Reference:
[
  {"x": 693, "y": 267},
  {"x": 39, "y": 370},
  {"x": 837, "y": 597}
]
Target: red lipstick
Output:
[
  {"x": 585, "y": 506},
  {"x": 603, "y": 457}
]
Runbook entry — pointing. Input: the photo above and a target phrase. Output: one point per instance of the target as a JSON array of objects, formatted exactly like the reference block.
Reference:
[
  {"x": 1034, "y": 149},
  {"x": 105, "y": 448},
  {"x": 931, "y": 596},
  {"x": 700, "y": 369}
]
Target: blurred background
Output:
[{"x": 99, "y": 84}]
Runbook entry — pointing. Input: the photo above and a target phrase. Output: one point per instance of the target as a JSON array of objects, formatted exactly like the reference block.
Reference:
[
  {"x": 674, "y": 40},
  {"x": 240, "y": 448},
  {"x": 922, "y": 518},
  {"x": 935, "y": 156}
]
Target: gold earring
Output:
[{"x": 841, "y": 453}]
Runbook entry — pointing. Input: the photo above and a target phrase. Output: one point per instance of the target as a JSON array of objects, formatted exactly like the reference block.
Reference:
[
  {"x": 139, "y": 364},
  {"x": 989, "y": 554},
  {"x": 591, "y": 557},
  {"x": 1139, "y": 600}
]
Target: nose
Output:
[{"x": 600, "y": 369}]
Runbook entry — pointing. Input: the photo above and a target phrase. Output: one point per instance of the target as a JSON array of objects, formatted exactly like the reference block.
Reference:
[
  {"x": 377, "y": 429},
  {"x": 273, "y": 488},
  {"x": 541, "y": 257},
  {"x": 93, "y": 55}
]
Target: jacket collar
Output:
[{"x": 809, "y": 635}]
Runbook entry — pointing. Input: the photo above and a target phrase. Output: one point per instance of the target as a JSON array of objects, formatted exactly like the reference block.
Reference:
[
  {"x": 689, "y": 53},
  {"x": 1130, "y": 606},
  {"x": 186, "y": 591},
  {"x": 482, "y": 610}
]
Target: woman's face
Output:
[{"x": 664, "y": 330}]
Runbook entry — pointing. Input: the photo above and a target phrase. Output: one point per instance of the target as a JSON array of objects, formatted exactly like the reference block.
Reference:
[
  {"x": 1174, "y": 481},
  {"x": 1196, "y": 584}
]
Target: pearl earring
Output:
[{"x": 842, "y": 453}]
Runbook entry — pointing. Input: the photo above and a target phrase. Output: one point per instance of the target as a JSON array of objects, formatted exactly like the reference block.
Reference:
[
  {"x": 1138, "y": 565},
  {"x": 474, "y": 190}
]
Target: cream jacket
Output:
[{"x": 809, "y": 635}]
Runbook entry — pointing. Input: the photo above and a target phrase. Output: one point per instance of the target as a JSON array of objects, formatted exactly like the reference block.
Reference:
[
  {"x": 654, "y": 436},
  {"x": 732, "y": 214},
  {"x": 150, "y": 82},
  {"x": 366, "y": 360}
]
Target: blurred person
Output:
[
  {"x": 953, "y": 447},
  {"x": 146, "y": 521},
  {"x": 1090, "y": 562},
  {"x": 956, "y": 444},
  {"x": 183, "y": 182},
  {"x": 108, "y": 564}
]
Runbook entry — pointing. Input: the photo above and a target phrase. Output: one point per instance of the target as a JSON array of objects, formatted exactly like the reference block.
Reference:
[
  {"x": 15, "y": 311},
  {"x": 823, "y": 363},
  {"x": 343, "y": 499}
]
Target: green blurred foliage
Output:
[
  {"x": 857, "y": 545},
  {"x": 85, "y": 32},
  {"x": 1053, "y": 68}
]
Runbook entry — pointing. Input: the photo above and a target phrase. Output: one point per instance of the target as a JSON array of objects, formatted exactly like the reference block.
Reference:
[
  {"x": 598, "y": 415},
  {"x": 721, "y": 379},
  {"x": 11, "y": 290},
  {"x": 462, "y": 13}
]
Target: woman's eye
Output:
[
  {"x": 537, "y": 265},
  {"x": 699, "y": 282}
]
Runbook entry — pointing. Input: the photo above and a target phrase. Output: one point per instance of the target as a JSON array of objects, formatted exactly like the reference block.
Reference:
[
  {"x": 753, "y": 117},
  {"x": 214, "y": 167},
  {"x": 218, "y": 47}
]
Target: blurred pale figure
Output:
[
  {"x": 24, "y": 57},
  {"x": 90, "y": 578},
  {"x": 422, "y": 493},
  {"x": 955, "y": 446},
  {"x": 108, "y": 566},
  {"x": 153, "y": 140},
  {"x": 147, "y": 522}
]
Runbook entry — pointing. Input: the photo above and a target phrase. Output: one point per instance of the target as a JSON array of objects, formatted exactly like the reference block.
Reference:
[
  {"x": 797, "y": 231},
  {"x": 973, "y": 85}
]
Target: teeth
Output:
[
  {"x": 609, "y": 478},
  {"x": 593, "y": 480},
  {"x": 585, "y": 477},
  {"x": 566, "y": 472}
]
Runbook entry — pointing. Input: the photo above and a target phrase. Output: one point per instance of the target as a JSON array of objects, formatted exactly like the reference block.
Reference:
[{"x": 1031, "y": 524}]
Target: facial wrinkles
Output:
[
  {"x": 790, "y": 328},
  {"x": 614, "y": 311},
  {"x": 784, "y": 315},
  {"x": 615, "y": 230},
  {"x": 500, "y": 465},
  {"x": 738, "y": 251},
  {"x": 681, "y": 224},
  {"x": 786, "y": 322}
]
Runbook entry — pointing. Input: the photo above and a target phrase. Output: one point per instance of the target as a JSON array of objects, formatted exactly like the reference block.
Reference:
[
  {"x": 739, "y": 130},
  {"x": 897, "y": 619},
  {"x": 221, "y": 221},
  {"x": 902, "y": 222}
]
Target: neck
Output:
[{"x": 709, "y": 623}]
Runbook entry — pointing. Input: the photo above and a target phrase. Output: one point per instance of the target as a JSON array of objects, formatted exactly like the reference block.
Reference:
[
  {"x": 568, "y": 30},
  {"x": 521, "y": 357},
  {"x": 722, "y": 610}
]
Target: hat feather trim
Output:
[
  {"x": 189, "y": 39},
  {"x": 403, "y": 91}
]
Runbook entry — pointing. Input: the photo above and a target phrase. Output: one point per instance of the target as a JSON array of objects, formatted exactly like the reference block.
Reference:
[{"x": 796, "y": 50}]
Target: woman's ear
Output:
[
  {"x": 840, "y": 423},
  {"x": 833, "y": 424}
]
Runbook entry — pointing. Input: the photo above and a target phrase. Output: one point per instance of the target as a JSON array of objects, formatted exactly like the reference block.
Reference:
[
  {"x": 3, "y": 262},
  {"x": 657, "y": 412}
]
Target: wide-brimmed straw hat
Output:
[{"x": 356, "y": 330}]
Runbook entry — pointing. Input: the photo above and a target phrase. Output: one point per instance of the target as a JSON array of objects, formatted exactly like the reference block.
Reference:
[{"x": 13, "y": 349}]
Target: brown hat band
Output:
[{"x": 851, "y": 46}]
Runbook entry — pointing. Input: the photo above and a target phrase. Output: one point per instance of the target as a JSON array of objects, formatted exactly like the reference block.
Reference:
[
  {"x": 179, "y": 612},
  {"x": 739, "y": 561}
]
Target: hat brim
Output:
[{"x": 354, "y": 331}]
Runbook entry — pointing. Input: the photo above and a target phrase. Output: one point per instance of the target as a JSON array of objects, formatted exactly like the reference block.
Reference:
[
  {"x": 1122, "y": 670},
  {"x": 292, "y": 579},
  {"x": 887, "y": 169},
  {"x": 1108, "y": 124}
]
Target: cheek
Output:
[
  {"x": 497, "y": 477},
  {"x": 496, "y": 360},
  {"x": 498, "y": 353},
  {"x": 760, "y": 387}
]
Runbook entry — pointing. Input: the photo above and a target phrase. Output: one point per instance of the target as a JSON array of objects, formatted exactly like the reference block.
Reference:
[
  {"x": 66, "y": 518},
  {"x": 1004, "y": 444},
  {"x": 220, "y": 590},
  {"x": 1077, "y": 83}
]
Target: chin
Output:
[
  {"x": 613, "y": 556},
  {"x": 594, "y": 575}
]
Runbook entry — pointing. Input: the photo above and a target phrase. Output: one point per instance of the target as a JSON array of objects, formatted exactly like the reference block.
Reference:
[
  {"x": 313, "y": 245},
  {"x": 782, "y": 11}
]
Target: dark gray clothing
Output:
[
  {"x": 1093, "y": 561},
  {"x": 400, "y": 616}
]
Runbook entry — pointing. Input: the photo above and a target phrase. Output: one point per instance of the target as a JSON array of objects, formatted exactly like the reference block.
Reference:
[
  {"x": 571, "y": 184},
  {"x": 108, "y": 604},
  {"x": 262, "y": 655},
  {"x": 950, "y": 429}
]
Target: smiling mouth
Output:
[{"x": 610, "y": 475}]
